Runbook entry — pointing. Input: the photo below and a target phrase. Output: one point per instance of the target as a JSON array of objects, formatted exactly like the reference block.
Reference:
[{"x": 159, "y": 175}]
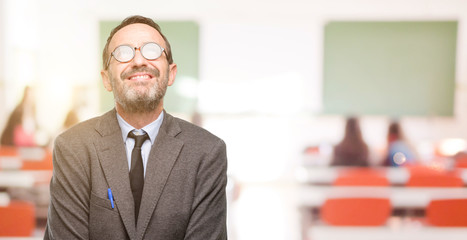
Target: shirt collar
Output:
[{"x": 152, "y": 129}]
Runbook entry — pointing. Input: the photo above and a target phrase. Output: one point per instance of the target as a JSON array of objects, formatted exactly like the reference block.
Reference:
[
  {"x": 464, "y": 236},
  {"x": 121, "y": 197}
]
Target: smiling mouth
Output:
[
  {"x": 137, "y": 77},
  {"x": 140, "y": 73}
]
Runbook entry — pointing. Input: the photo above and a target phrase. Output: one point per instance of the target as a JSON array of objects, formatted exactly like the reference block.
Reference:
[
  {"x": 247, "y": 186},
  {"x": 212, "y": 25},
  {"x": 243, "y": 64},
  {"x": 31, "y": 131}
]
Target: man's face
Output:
[{"x": 140, "y": 84}]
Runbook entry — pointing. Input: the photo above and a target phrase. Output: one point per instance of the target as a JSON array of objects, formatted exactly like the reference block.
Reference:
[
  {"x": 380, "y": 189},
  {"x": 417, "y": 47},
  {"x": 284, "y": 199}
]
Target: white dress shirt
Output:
[{"x": 151, "y": 129}]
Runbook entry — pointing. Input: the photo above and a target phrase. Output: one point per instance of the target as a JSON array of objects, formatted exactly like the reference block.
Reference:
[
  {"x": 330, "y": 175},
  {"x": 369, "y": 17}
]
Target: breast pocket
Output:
[
  {"x": 105, "y": 222},
  {"x": 101, "y": 202}
]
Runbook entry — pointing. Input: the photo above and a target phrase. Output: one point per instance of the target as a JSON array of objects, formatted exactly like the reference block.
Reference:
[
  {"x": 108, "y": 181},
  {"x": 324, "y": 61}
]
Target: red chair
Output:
[
  {"x": 361, "y": 177},
  {"x": 447, "y": 213},
  {"x": 356, "y": 211},
  {"x": 429, "y": 177},
  {"x": 17, "y": 219}
]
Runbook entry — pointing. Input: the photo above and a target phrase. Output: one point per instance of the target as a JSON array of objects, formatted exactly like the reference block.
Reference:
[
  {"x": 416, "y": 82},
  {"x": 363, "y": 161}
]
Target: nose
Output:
[{"x": 139, "y": 60}]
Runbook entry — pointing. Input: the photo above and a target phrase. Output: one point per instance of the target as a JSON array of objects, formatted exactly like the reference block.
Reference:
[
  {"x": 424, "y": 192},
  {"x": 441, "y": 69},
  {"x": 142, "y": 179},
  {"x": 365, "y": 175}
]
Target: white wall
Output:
[
  {"x": 261, "y": 67},
  {"x": 2, "y": 57}
]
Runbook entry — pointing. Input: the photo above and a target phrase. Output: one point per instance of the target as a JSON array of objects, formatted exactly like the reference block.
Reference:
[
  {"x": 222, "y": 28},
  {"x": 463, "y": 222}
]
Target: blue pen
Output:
[{"x": 111, "y": 197}]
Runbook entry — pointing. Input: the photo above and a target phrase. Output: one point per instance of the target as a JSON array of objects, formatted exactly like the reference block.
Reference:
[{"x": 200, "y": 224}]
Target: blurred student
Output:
[
  {"x": 352, "y": 150},
  {"x": 399, "y": 152},
  {"x": 71, "y": 119},
  {"x": 21, "y": 125}
]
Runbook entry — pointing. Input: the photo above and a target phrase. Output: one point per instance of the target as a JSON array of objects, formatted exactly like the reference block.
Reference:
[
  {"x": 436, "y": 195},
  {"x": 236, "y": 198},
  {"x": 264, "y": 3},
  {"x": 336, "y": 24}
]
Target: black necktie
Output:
[{"x": 137, "y": 171}]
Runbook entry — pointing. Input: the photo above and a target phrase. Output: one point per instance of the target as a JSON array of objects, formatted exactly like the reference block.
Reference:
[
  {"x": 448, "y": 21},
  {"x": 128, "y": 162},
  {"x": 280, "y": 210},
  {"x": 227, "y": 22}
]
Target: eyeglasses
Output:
[{"x": 125, "y": 53}]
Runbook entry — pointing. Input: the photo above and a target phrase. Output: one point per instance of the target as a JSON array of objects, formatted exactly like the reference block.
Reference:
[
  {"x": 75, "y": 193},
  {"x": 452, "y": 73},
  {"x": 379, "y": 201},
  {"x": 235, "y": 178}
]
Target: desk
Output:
[
  {"x": 390, "y": 232},
  {"x": 25, "y": 158},
  {"x": 327, "y": 175},
  {"x": 29, "y": 185},
  {"x": 24, "y": 166},
  {"x": 400, "y": 197},
  {"x": 21, "y": 238},
  {"x": 24, "y": 178},
  {"x": 4, "y": 199}
]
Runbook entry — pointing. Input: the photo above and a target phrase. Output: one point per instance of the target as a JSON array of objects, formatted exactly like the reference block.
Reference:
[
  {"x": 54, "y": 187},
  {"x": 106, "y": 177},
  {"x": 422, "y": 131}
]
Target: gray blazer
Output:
[{"x": 184, "y": 187}]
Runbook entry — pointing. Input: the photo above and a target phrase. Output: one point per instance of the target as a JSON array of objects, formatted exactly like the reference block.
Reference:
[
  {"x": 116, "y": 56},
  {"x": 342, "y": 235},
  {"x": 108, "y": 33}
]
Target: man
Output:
[{"x": 136, "y": 172}]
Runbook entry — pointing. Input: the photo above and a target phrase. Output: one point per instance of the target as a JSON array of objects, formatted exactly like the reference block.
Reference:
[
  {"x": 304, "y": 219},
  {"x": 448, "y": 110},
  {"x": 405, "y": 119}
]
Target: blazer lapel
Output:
[
  {"x": 162, "y": 157},
  {"x": 112, "y": 156}
]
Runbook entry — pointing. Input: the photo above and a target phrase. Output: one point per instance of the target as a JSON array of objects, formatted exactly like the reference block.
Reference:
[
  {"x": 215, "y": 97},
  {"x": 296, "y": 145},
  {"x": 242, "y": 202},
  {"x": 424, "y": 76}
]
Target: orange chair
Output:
[
  {"x": 44, "y": 164},
  {"x": 428, "y": 177},
  {"x": 17, "y": 219},
  {"x": 11, "y": 153},
  {"x": 447, "y": 213},
  {"x": 361, "y": 177},
  {"x": 8, "y": 151},
  {"x": 461, "y": 161},
  {"x": 356, "y": 211}
]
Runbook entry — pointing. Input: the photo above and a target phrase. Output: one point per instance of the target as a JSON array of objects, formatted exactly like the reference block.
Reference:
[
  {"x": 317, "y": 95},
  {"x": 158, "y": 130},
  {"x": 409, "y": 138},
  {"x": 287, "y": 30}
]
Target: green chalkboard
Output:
[
  {"x": 184, "y": 41},
  {"x": 389, "y": 68}
]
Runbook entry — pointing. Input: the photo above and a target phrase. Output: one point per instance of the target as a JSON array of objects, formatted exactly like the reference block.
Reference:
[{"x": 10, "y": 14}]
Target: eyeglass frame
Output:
[{"x": 134, "y": 53}]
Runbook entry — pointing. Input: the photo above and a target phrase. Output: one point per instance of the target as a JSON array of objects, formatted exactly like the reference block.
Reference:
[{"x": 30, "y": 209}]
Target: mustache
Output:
[{"x": 153, "y": 71}]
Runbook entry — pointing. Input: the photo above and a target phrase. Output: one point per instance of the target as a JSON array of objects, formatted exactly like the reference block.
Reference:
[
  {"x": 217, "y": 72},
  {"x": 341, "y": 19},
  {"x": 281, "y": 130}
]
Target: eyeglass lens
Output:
[{"x": 125, "y": 53}]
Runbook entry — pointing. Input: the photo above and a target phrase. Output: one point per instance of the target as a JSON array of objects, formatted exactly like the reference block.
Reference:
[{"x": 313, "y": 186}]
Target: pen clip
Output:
[{"x": 111, "y": 197}]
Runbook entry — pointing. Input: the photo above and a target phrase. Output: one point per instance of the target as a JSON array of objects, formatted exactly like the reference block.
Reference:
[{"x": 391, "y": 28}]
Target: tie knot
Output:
[{"x": 139, "y": 139}]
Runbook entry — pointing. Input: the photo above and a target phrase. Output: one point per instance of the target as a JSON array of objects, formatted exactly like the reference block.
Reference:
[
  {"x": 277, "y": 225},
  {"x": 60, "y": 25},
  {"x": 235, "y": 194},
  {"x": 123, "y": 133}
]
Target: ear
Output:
[
  {"x": 172, "y": 73},
  {"x": 106, "y": 80}
]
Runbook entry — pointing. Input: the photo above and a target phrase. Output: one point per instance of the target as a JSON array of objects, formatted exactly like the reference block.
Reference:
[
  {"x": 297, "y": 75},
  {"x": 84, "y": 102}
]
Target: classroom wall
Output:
[
  {"x": 2, "y": 56},
  {"x": 260, "y": 68}
]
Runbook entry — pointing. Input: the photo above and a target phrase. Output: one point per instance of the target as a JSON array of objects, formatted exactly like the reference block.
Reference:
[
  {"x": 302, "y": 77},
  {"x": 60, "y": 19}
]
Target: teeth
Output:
[{"x": 139, "y": 77}]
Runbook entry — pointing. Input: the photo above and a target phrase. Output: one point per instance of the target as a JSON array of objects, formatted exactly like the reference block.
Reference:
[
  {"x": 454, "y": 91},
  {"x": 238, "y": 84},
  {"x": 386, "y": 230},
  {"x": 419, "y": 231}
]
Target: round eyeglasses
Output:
[{"x": 125, "y": 53}]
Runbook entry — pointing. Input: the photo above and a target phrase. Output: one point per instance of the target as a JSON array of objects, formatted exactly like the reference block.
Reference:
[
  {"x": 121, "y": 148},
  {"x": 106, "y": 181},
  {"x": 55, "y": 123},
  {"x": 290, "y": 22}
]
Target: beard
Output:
[{"x": 134, "y": 97}]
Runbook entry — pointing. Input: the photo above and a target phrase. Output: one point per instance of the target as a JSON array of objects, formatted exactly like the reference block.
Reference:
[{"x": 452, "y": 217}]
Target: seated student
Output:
[
  {"x": 399, "y": 151},
  {"x": 21, "y": 125},
  {"x": 352, "y": 150}
]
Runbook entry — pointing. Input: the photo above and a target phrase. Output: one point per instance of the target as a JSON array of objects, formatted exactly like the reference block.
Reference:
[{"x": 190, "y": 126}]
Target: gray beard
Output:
[
  {"x": 133, "y": 102},
  {"x": 139, "y": 104}
]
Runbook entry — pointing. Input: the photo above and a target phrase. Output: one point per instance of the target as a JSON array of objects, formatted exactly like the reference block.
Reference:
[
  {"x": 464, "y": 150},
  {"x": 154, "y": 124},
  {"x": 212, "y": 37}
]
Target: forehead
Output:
[{"x": 135, "y": 35}]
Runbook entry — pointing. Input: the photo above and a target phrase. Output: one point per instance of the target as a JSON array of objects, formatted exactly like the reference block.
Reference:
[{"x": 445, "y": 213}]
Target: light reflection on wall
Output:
[
  {"x": 40, "y": 50},
  {"x": 54, "y": 98},
  {"x": 262, "y": 214},
  {"x": 271, "y": 94},
  {"x": 21, "y": 43}
]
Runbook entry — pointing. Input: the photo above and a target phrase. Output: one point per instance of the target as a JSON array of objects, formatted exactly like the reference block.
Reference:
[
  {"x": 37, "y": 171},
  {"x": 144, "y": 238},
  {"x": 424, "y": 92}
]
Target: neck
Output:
[{"x": 139, "y": 119}]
